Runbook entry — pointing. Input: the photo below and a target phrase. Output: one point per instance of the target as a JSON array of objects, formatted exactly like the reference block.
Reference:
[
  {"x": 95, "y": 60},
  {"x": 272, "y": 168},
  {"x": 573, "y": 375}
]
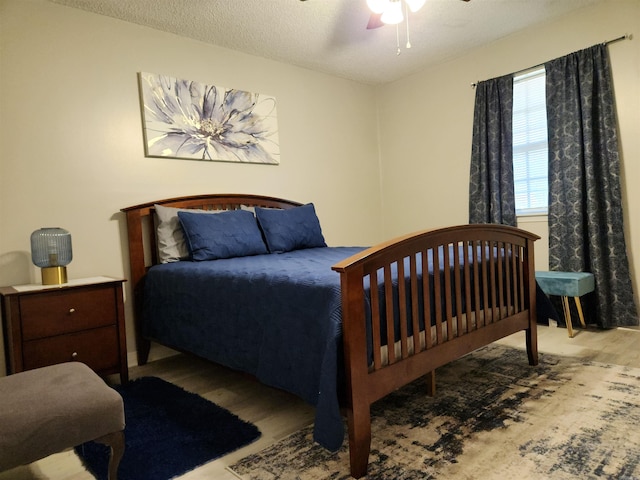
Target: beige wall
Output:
[
  {"x": 72, "y": 150},
  {"x": 426, "y": 122}
]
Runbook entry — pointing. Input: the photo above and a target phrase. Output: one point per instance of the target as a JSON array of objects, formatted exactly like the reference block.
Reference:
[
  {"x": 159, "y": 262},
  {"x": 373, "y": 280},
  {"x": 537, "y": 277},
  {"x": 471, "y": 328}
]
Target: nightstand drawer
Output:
[
  {"x": 98, "y": 348},
  {"x": 59, "y": 312}
]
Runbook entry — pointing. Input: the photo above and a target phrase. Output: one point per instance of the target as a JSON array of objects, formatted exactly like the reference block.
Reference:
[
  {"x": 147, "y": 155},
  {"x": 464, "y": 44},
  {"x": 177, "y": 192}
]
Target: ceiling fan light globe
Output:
[
  {"x": 393, "y": 13},
  {"x": 377, "y": 6},
  {"x": 415, "y": 5}
]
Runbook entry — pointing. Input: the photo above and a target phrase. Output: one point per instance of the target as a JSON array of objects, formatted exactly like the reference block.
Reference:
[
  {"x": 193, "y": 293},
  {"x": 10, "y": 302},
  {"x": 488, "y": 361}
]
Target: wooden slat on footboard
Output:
[
  {"x": 484, "y": 290},
  {"x": 401, "y": 309}
]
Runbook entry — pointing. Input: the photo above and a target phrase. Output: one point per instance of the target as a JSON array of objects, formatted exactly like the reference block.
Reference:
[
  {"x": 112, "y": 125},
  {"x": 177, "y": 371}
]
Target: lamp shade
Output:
[
  {"x": 377, "y": 6},
  {"x": 392, "y": 13},
  {"x": 415, "y": 5},
  {"x": 51, "y": 251}
]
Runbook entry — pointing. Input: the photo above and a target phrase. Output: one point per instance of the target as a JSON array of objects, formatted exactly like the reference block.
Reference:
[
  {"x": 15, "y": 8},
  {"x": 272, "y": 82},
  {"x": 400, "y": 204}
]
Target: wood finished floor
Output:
[{"x": 278, "y": 414}]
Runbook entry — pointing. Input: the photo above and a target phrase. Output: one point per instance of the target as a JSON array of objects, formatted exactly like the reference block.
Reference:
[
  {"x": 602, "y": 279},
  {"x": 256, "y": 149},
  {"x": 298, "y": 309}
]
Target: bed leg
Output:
[
  {"x": 532, "y": 345},
  {"x": 143, "y": 346},
  {"x": 431, "y": 383},
  {"x": 359, "y": 441}
]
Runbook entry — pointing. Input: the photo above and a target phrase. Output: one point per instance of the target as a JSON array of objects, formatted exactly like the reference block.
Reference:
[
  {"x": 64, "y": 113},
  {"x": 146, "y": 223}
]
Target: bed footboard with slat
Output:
[{"x": 465, "y": 287}]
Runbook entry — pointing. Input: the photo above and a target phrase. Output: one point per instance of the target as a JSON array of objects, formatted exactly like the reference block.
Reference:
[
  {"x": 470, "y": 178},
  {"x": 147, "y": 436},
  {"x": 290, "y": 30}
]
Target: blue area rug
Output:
[{"x": 168, "y": 432}]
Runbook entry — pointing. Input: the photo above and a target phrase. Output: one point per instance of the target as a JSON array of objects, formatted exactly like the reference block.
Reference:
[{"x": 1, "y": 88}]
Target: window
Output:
[{"x": 530, "y": 143}]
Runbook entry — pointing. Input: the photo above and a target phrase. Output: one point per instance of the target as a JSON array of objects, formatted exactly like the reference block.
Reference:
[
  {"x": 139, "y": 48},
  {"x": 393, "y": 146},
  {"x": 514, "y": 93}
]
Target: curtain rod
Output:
[{"x": 626, "y": 36}]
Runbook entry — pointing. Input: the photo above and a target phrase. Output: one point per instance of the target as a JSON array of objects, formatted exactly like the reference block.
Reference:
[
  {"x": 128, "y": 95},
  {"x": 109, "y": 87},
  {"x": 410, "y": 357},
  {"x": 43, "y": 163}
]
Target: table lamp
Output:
[{"x": 51, "y": 251}]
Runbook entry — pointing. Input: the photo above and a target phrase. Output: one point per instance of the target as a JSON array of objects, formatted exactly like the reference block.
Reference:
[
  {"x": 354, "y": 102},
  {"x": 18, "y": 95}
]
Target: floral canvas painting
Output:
[{"x": 191, "y": 120}]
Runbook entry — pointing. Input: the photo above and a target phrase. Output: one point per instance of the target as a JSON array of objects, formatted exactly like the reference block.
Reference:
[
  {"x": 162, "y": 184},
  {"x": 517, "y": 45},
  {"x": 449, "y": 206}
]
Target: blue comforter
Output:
[{"x": 275, "y": 316}]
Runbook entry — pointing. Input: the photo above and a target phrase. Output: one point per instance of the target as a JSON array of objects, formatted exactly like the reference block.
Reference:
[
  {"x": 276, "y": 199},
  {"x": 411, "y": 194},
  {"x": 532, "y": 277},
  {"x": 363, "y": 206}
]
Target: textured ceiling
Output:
[{"x": 330, "y": 35}]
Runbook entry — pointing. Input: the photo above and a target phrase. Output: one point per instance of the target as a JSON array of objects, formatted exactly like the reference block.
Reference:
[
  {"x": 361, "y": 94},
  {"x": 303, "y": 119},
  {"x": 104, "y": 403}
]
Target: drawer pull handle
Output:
[
  {"x": 74, "y": 355},
  {"x": 72, "y": 310}
]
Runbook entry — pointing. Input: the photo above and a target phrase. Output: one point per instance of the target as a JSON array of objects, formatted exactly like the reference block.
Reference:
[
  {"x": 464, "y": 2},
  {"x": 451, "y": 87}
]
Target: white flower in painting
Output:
[{"x": 191, "y": 120}]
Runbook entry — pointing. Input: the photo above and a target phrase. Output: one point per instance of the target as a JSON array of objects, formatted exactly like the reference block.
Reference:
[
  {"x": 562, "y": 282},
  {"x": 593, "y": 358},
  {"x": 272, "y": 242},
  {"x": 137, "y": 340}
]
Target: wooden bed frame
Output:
[{"x": 490, "y": 297}]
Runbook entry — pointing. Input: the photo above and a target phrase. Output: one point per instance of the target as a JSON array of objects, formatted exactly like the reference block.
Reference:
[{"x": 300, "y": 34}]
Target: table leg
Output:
[
  {"x": 579, "y": 307},
  {"x": 567, "y": 316}
]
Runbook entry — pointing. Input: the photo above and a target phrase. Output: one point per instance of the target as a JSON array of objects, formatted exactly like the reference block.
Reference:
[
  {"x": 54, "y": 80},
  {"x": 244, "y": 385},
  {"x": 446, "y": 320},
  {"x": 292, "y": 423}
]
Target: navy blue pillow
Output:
[
  {"x": 290, "y": 229},
  {"x": 224, "y": 235}
]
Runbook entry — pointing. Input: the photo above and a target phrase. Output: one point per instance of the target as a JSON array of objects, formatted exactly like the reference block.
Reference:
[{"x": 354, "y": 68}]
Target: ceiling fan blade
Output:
[{"x": 374, "y": 21}]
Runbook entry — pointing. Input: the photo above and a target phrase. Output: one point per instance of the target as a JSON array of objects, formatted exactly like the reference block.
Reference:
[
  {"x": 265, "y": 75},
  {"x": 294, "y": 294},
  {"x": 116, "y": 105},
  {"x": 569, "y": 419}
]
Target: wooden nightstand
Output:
[{"x": 81, "y": 320}]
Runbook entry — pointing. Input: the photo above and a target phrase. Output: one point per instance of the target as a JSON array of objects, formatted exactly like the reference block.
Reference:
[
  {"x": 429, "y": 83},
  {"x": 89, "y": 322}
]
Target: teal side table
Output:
[{"x": 565, "y": 285}]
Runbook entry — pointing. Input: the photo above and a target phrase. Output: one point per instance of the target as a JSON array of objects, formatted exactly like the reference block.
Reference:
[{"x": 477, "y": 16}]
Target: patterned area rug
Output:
[{"x": 493, "y": 417}]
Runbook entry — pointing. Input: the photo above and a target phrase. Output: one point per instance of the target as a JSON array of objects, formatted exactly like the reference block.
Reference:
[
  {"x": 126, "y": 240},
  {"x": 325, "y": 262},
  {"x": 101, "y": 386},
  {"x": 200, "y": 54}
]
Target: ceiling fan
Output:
[{"x": 389, "y": 12}]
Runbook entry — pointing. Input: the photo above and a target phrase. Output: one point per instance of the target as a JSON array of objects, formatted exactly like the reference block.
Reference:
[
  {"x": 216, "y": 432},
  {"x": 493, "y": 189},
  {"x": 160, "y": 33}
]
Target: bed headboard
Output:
[{"x": 141, "y": 233}]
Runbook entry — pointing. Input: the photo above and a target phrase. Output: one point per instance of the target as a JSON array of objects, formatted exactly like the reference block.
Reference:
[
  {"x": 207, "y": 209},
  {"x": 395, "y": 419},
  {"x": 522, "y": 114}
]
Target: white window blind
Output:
[{"x": 530, "y": 143}]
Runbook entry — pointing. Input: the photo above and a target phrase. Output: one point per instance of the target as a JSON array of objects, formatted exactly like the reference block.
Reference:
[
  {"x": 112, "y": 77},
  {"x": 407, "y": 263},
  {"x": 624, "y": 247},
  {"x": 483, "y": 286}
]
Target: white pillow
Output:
[
  {"x": 171, "y": 242},
  {"x": 172, "y": 245}
]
